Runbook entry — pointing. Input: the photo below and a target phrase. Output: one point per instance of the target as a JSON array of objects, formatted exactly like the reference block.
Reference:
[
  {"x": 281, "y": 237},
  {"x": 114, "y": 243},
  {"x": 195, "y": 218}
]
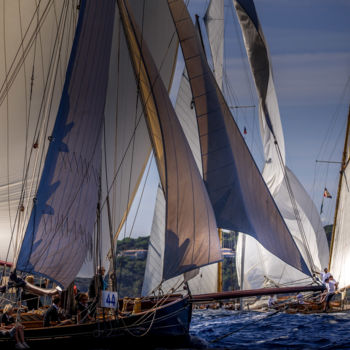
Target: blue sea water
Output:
[{"x": 254, "y": 330}]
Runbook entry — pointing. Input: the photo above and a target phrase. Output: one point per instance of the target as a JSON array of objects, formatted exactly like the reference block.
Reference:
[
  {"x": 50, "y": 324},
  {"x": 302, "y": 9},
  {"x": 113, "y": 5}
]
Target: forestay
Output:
[{"x": 237, "y": 191}]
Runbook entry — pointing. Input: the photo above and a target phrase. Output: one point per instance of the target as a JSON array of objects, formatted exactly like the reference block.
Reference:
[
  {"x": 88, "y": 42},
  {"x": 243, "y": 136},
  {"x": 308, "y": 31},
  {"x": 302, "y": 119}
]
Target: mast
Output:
[
  {"x": 220, "y": 264},
  {"x": 342, "y": 169}
]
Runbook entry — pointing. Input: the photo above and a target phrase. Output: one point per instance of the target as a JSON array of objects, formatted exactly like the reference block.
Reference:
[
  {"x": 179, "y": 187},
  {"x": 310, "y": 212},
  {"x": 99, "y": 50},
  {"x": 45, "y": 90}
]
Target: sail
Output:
[
  {"x": 35, "y": 40},
  {"x": 206, "y": 281},
  {"x": 190, "y": 239},
  {"x": 236, "y": 189},
  {"x": 270, "y": 121},
  {"x": 302, "y": 217},
  {"x": 340, "y": 248},
  {"x": 127, "y": 146},
  {"x": 214, "y": 23},
  {"x": 60, "y": 228}
]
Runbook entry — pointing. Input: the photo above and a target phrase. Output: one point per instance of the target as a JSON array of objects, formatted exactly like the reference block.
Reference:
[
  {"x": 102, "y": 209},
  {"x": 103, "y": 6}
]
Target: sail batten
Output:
[{"x": 239, "y": 196}]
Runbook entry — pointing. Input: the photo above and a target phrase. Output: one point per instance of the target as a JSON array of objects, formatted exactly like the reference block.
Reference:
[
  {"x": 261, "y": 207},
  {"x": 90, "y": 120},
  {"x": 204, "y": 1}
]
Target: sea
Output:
[{"x": 227, "y": 329}]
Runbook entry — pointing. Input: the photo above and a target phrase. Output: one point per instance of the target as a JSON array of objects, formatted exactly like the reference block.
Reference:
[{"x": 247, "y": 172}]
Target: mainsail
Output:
[
  {"x": 340, "y": 247},
  {"x": 236, "y": 189},
  {"x": 295, "y": 205}
]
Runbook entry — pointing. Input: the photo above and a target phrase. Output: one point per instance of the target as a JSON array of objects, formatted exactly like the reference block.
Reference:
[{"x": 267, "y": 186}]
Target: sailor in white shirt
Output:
[
  {"x": 332, "y": 287},
  {"x": 325, "y": 275}
]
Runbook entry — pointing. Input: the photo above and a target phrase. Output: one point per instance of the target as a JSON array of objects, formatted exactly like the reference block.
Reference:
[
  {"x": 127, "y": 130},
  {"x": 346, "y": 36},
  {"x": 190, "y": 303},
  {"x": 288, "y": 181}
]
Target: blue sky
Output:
[{"x": 309, "y": 43}]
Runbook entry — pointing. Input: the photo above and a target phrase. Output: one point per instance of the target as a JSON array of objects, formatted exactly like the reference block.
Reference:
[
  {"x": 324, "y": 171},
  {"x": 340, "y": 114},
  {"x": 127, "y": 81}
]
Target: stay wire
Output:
[{"x": 28, "y": 163}]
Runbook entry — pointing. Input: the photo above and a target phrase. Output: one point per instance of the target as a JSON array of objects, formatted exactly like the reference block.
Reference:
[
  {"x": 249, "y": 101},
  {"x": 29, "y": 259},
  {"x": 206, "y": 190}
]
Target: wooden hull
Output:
[{"x": 170, "y": 321}]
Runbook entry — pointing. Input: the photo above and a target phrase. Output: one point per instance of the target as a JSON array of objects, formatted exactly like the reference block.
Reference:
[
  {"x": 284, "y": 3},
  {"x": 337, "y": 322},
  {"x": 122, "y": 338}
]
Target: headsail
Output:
[
  {"x": 295, "y": 205},
  {"x": 191, "y": 238},
  {"x": 127, "y": 146},
  {"x": 59, "y": 231},
  {"x": 237, "y": 191},
  {"x": 206, "y": 281}
]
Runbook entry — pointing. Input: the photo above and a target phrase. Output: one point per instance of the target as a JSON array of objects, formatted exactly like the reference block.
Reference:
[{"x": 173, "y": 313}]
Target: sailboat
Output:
[
  {"x": 255, "y": 265},
  {"x": 61, "y": 208},
  {"x": 110, "y": 90}
]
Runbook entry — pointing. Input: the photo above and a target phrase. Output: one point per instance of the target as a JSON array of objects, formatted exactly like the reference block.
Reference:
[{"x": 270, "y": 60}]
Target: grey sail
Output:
[
  {"x": 191, "y": 239},
  {"x": 127, "y": 146},
  {"x": 59, "y": 232},
  {"x": 239, "y": 195}
]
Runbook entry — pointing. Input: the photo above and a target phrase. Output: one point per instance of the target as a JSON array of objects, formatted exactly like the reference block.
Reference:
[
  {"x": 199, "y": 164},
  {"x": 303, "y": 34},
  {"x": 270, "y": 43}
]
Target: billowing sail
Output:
[
  {"x": 301, "y": 217},
  {"x": 206, "y": 281},
  {"x": 35, "y": 40},
  {"x": 340, "y": 248},
  {"x": 190, "y": 239},
  {"x": 127, "y": 146},
  {"x": 236, "y": 189},
  {"x": 60, "y": 228}
]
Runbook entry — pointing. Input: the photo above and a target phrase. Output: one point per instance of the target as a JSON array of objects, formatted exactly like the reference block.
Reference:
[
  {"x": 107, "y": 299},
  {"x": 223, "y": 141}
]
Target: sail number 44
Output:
[{"x": 109, "y": 299}]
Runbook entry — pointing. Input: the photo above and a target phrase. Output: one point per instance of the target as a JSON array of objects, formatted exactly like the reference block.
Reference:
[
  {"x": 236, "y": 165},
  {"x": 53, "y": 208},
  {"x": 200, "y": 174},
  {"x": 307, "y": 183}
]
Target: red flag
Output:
[{"x": 326, "y": 194}]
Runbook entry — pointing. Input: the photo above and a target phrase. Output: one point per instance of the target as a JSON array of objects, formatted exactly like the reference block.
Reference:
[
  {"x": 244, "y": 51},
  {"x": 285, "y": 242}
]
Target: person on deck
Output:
[
  {"x": 53, "y": 315},
  {"x": 324, "y": 275},
  {"x": 83, "y": 314},
  {"x": 332, "y": 287},
  {"x": 32, "y": 300},
  {"x": 10, "y": 327},
  {"x": 97, "y": 285},
  {"x": 271, "y": 302}
]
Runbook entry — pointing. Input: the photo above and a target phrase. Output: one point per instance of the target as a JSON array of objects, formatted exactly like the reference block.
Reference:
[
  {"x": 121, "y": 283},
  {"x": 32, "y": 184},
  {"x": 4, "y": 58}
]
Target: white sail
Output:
[
  {"x": 340, "y": 249},
  {"x": 35, "y": 40},
  {"x": 214, "y": 23},
  {"x": 301, "y": 217}
]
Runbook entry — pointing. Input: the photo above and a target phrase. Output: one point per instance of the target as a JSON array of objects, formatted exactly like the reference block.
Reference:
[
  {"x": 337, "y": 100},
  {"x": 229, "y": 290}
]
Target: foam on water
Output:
[{"x": 252, "y": 330}]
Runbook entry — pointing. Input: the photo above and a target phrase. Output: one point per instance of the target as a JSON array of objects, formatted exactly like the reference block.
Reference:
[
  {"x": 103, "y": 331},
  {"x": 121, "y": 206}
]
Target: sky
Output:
[{"x": 309, "y": 44}]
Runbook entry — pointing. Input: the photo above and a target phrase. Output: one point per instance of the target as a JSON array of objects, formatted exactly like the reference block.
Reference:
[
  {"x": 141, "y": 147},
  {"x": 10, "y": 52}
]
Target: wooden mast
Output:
[
  {"x": 219, "y": 289},
  {"x": 342, "y": 169}
]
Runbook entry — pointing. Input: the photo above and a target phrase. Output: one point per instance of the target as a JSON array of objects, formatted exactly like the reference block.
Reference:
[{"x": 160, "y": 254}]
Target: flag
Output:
[{"x": 326, "y": 194}]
